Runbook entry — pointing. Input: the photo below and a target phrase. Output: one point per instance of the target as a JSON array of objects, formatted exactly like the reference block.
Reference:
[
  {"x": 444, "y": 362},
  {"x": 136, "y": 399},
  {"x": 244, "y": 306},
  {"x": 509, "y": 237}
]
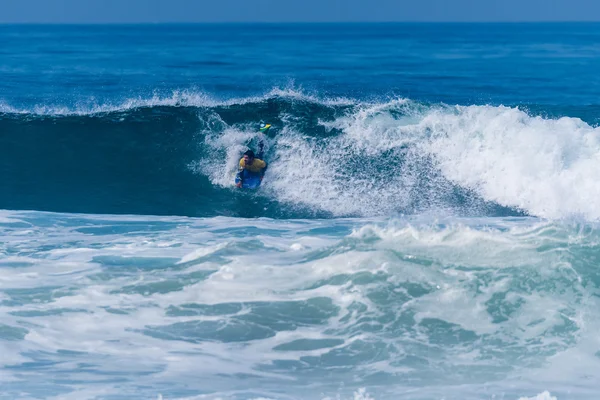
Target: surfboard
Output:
[{"x": 250, "y": 182}]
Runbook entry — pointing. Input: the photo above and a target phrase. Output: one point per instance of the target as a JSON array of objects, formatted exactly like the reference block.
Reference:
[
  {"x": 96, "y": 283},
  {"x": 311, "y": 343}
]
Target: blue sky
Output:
[{"x": 144, "y": 11}]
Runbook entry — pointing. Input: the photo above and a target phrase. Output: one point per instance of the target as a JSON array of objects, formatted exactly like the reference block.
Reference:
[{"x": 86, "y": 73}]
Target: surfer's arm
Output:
[{"x": 261, "y": 150}]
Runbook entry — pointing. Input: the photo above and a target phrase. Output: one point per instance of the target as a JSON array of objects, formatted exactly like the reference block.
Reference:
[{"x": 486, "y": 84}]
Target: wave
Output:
[
  {"x": 178, "y": 98},
  {"x": 328, "y": 158}
]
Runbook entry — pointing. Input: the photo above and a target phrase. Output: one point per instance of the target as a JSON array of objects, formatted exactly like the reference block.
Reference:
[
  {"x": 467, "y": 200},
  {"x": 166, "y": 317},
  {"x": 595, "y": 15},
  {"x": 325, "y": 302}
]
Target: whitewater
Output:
[
  {"x": 427, "y": 228},
  {"x": 229, "y": 308}
]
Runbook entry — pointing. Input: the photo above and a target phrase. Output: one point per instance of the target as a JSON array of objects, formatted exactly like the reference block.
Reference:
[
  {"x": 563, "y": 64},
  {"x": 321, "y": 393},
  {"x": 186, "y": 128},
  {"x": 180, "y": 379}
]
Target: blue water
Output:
[{"x": 427, "y": 228}]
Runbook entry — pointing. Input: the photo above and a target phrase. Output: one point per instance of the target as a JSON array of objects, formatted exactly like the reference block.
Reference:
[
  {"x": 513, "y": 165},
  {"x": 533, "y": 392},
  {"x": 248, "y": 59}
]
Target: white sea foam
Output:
[
  {"x": 545, "y": 167},
  {"x": 542, "y": 396},
  {"x": 407, "y": 300},
  {"x": 549, "y": 168}
]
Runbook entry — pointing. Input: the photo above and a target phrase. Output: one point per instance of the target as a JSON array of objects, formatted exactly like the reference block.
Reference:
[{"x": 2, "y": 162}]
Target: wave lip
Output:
[{"x": 177, "y": 98}]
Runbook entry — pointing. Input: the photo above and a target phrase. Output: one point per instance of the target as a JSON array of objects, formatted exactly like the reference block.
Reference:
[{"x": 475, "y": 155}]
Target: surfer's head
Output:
[{"x": 248, "y": 157}]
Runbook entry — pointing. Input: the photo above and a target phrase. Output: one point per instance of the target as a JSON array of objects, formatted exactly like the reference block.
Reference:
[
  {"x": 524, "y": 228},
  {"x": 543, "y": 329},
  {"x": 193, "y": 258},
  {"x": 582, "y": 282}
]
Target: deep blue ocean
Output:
[{"x": 428, "y": 227}]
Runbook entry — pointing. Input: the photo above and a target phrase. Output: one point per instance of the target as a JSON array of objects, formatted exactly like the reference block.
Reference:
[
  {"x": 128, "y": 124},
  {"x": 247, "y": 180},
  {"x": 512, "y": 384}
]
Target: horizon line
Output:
[{"x": 304, "y": 22}]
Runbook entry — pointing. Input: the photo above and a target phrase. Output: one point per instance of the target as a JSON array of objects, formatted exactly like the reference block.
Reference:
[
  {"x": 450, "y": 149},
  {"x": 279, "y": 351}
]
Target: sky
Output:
[{"x": 157, "y": 11}]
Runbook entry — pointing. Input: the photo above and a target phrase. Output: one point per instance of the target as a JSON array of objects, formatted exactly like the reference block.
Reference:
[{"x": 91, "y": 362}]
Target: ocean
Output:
[{"x": 427, "y": 228}]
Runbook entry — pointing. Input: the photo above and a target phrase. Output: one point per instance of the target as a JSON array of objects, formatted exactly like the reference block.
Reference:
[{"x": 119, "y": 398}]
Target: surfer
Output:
[{"x": 252, "y": 166}]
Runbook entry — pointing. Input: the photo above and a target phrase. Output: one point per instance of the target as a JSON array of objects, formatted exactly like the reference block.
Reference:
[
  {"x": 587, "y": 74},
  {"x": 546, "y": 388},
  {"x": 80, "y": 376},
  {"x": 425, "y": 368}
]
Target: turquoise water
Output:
[{"x": 427, "y": 228}]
